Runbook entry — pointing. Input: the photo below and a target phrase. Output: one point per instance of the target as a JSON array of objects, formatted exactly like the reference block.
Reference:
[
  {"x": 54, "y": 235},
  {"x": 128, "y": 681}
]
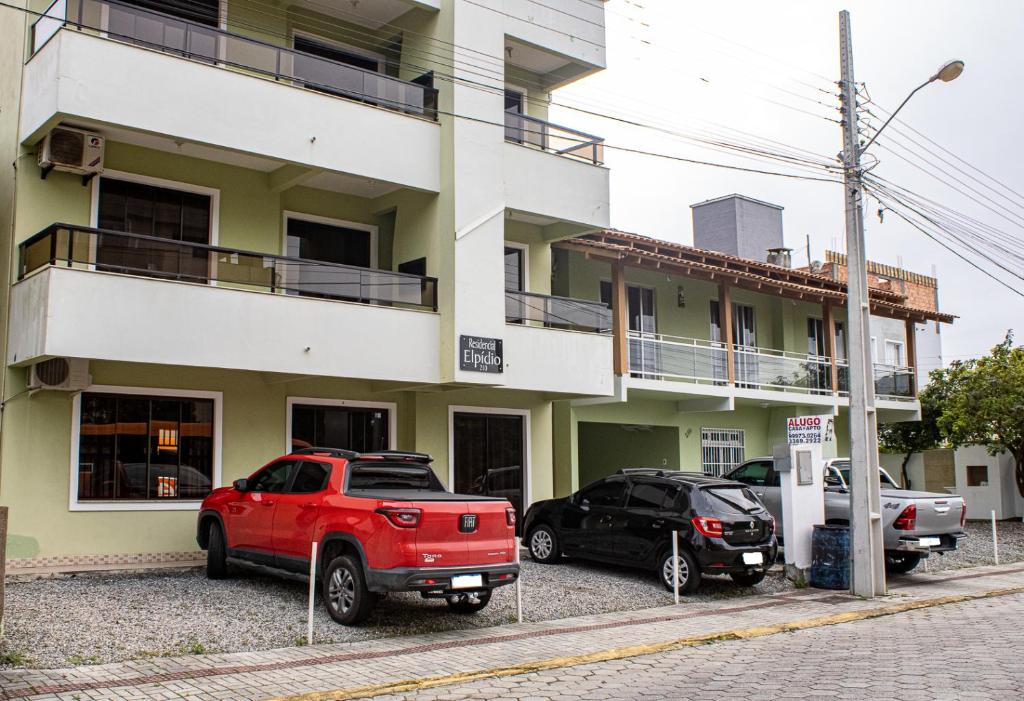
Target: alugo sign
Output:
[
  {"x": 479, "y": 354},
  {"x": 801, "y": 430}
]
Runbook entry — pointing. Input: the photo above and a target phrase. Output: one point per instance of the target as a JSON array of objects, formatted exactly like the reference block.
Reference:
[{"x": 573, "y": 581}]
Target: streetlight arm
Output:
[{"x": 893, "y": 115}]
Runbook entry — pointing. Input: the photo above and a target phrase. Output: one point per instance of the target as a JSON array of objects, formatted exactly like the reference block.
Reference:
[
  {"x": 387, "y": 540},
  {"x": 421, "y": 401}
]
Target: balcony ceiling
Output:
[
  {"x": 373, "y": 14},
  {"x": 325, "y": 180}
]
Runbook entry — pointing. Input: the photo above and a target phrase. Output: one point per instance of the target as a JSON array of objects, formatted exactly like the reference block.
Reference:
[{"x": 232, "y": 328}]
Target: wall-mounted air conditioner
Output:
[
  {"x": 71, "y": 150},
  {"x": 67, "y": 374}
]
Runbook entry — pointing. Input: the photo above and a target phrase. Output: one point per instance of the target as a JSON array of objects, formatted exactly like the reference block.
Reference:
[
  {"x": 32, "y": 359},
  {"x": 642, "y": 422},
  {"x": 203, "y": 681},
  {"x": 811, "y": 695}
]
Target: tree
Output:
[
  {"x": 909, "y": 437},
  {"x": 983, "y": 403}
]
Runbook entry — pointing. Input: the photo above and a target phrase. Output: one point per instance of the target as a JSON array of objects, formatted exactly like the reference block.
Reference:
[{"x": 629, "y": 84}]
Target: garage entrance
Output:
[{"x": 604, "y": 448}]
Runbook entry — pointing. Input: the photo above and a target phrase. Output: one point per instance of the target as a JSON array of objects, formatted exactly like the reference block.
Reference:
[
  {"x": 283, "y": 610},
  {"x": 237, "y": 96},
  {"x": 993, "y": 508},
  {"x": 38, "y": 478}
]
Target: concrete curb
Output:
[{"x": 405, "y": 686}]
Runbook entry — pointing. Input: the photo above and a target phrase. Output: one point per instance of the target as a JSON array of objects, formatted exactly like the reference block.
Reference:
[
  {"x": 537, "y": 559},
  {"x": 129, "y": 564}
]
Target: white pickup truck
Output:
[{"x": 914, "y": 524}]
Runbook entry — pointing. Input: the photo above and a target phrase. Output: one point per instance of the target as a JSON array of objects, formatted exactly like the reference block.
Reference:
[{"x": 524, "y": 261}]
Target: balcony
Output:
[
  {"x": 892, "y": 382},
  {"x": 557, "y": 344},
  {"x": 552, "y": 138},
  {"x": 246, "y": 91},
  {"x": 108, "y": 295}
]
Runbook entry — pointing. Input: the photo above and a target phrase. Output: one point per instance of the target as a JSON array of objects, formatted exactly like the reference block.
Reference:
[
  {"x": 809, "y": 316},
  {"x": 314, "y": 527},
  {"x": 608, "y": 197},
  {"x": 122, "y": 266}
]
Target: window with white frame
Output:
[
  {"x": 721, "y": 449},
  {"x": 894, "y": 353}
]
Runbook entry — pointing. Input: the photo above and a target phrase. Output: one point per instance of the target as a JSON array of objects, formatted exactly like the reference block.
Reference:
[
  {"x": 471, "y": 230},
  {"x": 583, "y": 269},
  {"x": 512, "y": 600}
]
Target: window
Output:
[
  {"x": 721, "y": 450},
  {"x": 362, "y": 429},
  {"x": 202, "y": 11},
  {"x": 330, "y": 243},
  {"x": 840, "y": 341},
  {"x": 977, "y": 475},
  {"x": 311, "y": 477},
  {"x": 515, "y": 279},
  {"x": 164, "y": 213},
  {"x": 273, "y": 478},
  {"x": 339, "y": 54},
  {"x": 609, "y": 492},
  {"x": 755, "y": 474},
  {"x": 401, "y": 477},
  {"x": 140, "y": 448},
  {"x": 894, "y": 353},
  {"x": 646, "y": 495},
  {"x": 816, "y": 337}
]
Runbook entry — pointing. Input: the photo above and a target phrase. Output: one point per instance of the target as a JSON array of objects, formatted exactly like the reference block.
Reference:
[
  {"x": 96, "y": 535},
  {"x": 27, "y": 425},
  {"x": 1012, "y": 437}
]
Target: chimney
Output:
[
  {"x": 782, "y": 257},
  {"x": 737, "y": 225}
]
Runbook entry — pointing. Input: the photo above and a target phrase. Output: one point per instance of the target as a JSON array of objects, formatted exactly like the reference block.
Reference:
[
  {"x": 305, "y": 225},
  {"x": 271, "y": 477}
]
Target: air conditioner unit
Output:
[
  {"x": 71, "y": 150},
  {"x": 67, "y": 374}
]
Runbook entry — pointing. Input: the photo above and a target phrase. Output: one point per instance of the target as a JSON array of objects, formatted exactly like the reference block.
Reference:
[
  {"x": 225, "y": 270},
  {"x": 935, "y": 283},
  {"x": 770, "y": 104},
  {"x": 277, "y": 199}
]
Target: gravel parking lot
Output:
[{"x": 97, "y": 618}]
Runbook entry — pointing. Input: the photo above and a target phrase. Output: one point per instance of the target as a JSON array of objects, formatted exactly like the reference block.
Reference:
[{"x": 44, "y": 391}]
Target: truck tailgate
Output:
[
  {"x": 463, "y": 533},
  {"x": 938, "y": 515}
]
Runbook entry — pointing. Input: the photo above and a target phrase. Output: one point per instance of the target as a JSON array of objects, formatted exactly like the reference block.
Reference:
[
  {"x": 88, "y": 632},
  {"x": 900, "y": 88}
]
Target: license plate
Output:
[
  {"x": 753, "y": 559},
  {"x": 929, "y": 541},
  {"x": 467, "y": 581}
]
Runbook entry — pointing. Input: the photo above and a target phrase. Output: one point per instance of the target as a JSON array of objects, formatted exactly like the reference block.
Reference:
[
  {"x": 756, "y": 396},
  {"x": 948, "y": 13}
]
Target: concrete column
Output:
[
  {"x": 620, "y": 322},
  {"x": 725, "y": 317}
]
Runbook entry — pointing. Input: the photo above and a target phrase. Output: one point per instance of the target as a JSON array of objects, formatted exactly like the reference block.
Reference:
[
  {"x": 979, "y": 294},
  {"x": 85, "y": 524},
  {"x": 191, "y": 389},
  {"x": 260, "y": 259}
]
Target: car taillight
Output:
[
  {"x": 403, "y": 518},
  {"x": 710, "y": 527},
  {"x": 771, "y": 524},
  {"x": 907, "y": 520},
  {"x": 963, "y": 513},
  {"x": 510, "y": 516}
]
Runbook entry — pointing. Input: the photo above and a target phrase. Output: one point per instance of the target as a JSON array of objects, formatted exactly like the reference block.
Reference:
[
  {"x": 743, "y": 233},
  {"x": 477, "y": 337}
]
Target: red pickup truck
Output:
[{"x": 382, "y": 522}]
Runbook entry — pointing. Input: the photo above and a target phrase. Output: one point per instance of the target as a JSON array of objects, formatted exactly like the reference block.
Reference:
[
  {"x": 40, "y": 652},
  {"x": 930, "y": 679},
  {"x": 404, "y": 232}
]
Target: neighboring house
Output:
[
  {"x": 263, "y": 225},
  {"x": 987, "y": 482},
  {"x": 715, "y": 348}
]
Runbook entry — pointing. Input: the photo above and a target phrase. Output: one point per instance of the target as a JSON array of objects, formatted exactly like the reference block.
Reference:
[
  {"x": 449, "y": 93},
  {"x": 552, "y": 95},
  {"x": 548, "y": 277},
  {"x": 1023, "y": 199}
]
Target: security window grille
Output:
[{"x": 721, "y": 450}]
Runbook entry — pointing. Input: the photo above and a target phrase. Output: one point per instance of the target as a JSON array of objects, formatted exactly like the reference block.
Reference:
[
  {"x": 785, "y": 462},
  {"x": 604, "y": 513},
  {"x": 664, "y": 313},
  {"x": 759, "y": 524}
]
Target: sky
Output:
[{"x": 767, "y": 69}]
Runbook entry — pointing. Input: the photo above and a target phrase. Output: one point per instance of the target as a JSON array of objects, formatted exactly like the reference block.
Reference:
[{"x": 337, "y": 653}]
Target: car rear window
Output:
[
  {"x": 734, "y": 500},
  {"x": 379, "y": 477}
]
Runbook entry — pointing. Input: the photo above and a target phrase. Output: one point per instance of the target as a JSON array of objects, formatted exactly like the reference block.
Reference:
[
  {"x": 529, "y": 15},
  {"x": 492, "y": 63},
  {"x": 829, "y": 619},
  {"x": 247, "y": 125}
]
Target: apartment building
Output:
[
  {"x": 235, "y": 226},
  {"x": 716, "y": 345}
]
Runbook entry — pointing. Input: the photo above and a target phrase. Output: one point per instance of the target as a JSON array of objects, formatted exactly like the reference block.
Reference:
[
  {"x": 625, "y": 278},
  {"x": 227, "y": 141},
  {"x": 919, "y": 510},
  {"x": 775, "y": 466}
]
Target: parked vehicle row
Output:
[{"x": 383, "y": 522}]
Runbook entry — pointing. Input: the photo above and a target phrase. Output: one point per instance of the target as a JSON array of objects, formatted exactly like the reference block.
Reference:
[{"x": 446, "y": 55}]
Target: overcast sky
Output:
[{"x": 761, "y": 67}]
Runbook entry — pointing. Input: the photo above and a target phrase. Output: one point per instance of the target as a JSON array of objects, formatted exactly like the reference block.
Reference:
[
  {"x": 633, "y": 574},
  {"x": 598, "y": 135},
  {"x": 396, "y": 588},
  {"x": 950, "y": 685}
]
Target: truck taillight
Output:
[
  {"x": 963, "y": 513},
  {"x": 907, "y": 520},
  {"x": 510, "y": 516},
  {"x": 402, "y": 518},
  {"x": 710, "y": 527}
]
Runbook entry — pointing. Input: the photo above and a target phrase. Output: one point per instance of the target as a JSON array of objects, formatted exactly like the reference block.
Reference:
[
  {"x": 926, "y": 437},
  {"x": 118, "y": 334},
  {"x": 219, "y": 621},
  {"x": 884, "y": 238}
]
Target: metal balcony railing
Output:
[
  {"x": 166, "y": 259},
  {"x": 891, "y": 381},
  {"x": 676, "y": 358},
  {"x": 562, "y": 141},
  {"x": 208, "y": 44},
  {"x": 557, "y": 312}
]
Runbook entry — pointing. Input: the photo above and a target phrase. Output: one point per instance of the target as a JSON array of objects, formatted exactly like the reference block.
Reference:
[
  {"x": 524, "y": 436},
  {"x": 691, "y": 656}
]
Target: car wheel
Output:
[
  {"x": 543, "y": 545},
  {"x": 688, "y": 569},
  {"x": 345, "y": 593},
  {"x": 460, "y": 603},
  {"x": 901, "y": 563},
  {"x": 748, "y": 579},
  {"x": 216, "y": 554}
]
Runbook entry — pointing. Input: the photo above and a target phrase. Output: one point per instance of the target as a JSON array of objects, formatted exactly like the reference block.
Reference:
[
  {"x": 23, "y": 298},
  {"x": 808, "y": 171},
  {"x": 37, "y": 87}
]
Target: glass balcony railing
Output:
[
  {"x": 891, "y": 381},
  {"x": 208, "y": 44},
  {"x": 657, "y": 356},
  {"x": 166, "y": 259},
  {"x": 562, "y": 141},
  {"x": 557, "y": 312}
]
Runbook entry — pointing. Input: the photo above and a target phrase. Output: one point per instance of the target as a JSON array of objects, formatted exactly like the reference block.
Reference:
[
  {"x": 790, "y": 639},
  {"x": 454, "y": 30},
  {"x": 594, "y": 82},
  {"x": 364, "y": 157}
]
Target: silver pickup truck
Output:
[{"x": 914, "y": 524}]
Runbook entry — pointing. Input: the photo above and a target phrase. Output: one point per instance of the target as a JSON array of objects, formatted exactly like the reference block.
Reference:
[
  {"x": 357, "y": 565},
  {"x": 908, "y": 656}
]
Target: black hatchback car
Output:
[{"x": 628, "y": 518}]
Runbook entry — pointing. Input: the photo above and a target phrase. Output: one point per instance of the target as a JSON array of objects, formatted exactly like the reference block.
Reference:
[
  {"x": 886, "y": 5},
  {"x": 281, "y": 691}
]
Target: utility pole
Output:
[{"x": 867, "y": 548}]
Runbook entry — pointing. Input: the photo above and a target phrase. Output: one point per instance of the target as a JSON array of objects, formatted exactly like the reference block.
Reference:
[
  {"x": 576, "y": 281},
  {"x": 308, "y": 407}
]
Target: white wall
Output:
[
  {"x": 85, "y": 314},
  {"x": 552, "y": 360},
  {"x": 556, "y": 186},
  {"x": 71, "y": 78},
  {"x": 553, "y": 26},
  {"x": 999, "y": 495}
]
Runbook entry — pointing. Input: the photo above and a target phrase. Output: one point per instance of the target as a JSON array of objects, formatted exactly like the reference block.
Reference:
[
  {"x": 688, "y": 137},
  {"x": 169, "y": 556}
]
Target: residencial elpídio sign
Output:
[
  {"x": 480, "y": 354},
  {"x": 801, "y": 430}
]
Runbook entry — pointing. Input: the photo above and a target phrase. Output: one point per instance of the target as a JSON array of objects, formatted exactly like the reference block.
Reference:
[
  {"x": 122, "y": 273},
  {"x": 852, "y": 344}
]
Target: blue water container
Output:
[{"x": 830, "y": 557}]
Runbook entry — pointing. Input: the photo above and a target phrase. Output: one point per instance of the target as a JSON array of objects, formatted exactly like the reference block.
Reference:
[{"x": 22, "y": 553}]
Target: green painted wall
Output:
[
  {"x": 538, "y": 259},
  {"x": 605, "y": 448}
]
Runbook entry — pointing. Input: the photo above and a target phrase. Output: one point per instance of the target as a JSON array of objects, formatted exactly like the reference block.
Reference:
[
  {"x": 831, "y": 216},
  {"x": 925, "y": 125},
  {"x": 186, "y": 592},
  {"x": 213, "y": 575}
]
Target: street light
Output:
[{"x": 949, "y": 71}]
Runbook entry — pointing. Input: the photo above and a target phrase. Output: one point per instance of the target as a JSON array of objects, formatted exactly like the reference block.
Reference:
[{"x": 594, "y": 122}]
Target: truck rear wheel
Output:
[
  {"x": 901, "y": 563},
  {"x": 345, "y": 593},
  {"x": 461, "y": 603}
]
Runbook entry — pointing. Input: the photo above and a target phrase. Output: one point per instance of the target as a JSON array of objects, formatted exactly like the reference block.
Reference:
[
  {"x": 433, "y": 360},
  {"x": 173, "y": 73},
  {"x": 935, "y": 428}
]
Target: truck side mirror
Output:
[{"x": 241, "y": 485}]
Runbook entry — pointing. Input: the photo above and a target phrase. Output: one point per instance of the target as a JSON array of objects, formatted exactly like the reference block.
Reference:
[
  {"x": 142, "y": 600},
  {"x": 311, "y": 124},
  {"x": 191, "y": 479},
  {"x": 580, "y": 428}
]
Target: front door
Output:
[
  {"x": 489, "y": 456},
  {"x": 250, "y": 518}
]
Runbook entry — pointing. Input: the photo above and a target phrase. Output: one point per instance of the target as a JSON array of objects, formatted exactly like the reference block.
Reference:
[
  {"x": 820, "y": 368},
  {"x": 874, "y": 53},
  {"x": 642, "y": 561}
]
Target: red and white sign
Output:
[{"x": 801, "y": 430}]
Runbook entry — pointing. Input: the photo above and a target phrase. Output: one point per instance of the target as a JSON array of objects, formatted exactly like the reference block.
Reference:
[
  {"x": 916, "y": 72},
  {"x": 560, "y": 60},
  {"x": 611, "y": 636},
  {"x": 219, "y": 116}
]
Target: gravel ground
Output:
[{"x": 98, "y": 618}]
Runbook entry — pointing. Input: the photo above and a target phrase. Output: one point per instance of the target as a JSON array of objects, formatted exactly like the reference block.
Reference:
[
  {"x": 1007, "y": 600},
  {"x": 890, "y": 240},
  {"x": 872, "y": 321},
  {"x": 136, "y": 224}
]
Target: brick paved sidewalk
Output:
[{"x": 274, "y": 673}]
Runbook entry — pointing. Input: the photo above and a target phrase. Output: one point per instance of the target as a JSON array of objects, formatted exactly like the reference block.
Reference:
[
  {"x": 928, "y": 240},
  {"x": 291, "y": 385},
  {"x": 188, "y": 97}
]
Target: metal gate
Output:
[{"x": 721, "y": 449}]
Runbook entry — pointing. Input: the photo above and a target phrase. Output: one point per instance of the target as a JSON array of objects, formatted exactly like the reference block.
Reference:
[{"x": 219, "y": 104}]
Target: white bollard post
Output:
[
  {"x": 995, "y": 538},
  {"x": 675, "y": 565},
  {"x": 312, "y": 594},
  {"x": 519, "y": 586}
]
